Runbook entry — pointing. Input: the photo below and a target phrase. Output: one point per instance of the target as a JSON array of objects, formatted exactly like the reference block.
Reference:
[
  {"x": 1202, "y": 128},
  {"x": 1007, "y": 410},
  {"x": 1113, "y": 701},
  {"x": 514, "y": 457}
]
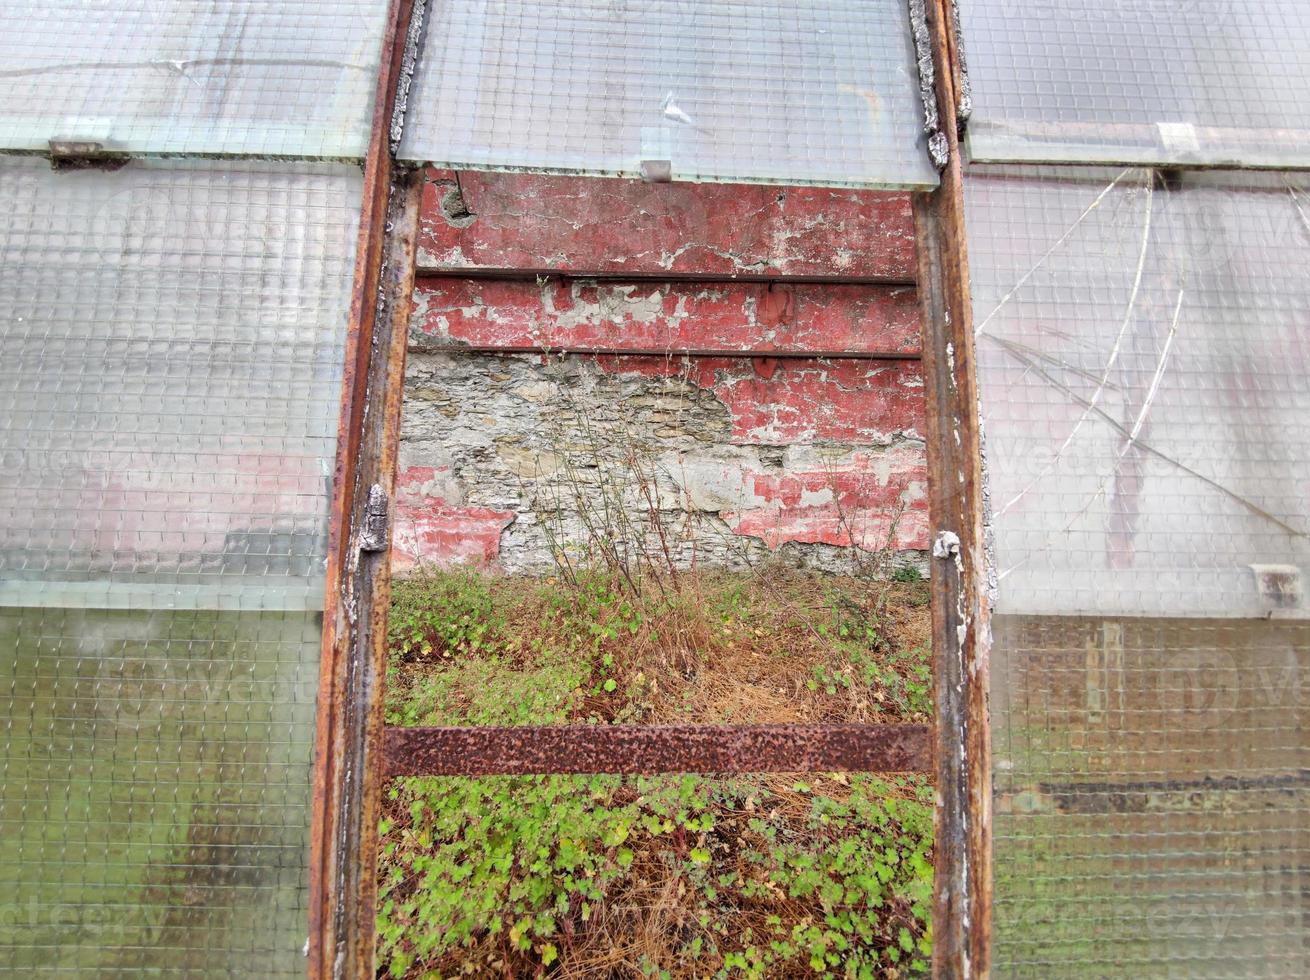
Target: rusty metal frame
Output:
[
  {"x": 960, "y": 606},
  {"x": 342, "y": 884},
  {"x": 354, "y": 753}
]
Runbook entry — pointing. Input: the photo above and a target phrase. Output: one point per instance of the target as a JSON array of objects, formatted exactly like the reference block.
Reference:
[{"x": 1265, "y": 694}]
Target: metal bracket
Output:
[
  {"x": 85, "y": 155},
  {"x": 1280, "y": 590},
  {"x": 657, "y": 171},
  {"x": 376, "y": 532}
]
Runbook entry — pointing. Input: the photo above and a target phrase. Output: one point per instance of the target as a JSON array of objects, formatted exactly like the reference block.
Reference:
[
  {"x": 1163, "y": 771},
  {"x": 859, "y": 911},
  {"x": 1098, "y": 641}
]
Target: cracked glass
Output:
[
  {"x": 1203, "y": 82},
  {"x": 1143, "y": 353},
  {"x": 1143, "y": 362},
  {"x": 192, "y": 77},
  {"x": 823, "y": 93}
]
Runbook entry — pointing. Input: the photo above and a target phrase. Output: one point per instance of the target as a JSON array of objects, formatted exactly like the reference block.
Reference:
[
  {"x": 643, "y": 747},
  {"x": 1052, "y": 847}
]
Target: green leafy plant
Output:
[
  {"x": 907, "y": 574},
  {"x": 676, "y": 876},
  {"x": 442, "y": 615},
  {"x": 528, "y": 871}
]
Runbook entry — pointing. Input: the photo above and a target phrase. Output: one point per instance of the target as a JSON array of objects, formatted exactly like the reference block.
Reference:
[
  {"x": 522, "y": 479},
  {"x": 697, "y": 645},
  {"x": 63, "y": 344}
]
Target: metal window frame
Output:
[
  {"x": 343, "y": 836},
  {"x": 355, "y": 753},
  {"x": 961, "y": 630}
]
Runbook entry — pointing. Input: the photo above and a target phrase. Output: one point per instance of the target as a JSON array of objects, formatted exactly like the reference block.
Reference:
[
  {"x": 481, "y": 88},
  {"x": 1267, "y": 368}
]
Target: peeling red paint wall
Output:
[
  {"x": 878, "y": 501},
  {"x": 776, "y": 402},
  {"x": 431, "y": 529},
  {"x": 596, "y": 226},
  {"x": 654, "y": 315},
  {"x": 795, "y": 446}
]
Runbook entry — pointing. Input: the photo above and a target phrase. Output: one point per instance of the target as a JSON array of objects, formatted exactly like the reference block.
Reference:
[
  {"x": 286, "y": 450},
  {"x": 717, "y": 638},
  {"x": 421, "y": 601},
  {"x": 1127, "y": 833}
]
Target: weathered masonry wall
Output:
[{"x": 705, "y": 373}]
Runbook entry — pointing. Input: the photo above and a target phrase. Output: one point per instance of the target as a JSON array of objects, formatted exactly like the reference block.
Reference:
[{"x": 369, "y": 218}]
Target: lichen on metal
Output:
[
  {"x": 937, "y": 144},
  {"x": 409, "y": 61}
]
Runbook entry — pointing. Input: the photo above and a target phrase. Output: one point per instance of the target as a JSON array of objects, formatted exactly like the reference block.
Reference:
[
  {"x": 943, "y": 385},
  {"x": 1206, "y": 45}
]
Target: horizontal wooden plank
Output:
[
  {"x": 526, "y": 223},
  {"x": 657, "y": 317},
  {"x": 642, "y": 749}
]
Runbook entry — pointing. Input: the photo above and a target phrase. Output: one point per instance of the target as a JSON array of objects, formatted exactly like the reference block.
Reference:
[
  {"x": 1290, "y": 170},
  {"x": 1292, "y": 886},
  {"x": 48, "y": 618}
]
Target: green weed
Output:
[{"x": 657, "y": 877}]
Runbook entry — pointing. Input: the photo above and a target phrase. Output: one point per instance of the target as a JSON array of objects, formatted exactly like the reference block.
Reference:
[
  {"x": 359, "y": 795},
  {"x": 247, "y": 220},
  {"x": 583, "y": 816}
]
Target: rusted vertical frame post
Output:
[
  {"x": 348, "y": 737},
  {"x": 960, "y": 613}
]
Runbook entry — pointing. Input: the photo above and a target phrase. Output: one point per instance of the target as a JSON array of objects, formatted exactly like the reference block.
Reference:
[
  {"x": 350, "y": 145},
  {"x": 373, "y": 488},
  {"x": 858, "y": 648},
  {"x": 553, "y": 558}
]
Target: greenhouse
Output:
[{"x": 644, "y": 488}]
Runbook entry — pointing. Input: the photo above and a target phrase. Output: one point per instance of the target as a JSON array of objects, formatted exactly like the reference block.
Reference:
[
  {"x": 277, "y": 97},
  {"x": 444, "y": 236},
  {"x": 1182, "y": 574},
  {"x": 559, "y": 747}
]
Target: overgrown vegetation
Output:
[{"x": 673, "y": 876}]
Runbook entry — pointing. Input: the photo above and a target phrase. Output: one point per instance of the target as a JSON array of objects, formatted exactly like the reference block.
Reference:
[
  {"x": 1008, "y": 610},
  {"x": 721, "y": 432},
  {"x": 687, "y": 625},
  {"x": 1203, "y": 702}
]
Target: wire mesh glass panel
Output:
[
  {"x": 250, "y": 77},
  {"x": 1150, "y": 797},
  {"x": 155, "y": 799},
  {"x": 1143, "y": 352},
  {"x": 821, "y": 93},
  {"x": 1140, "y": 81},
  {"x": 1142, "y": 363},
  {"x": 174, "y": 335}
]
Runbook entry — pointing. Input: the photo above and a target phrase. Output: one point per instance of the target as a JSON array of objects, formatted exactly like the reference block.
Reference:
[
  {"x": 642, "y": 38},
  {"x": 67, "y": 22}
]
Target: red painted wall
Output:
[
  {"x": 813, "y": 449},
  {"x": 501, "y": 222}
]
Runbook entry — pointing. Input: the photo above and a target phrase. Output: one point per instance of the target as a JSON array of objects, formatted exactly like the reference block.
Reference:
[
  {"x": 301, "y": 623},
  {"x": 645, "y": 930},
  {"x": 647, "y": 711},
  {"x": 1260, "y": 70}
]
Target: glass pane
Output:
[
  {"x": 1140, "y": 81},
  {"x": 154, "y": 815},
  {"x": 1150, "y": 797},
  {"x": 1143, "y": 356},
  {"x": 822, "y": 93},
  {"x": 190, "y": 76},
  {"x": 1142, "y": 359},
  {"x": 174, "y": 335}
]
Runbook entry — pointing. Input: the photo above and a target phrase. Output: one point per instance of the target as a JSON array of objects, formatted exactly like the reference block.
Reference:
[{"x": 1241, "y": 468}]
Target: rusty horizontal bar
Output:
[
  {"x": 648, "y": 749},
  {"x": 692, "y": 352}
]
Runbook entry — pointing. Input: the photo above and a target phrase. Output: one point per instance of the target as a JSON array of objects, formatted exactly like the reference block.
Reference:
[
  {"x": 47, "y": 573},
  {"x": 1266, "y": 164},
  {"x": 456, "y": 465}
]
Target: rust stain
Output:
[
  {"x": 962, "y": 896},
  {"x": 343, "y": 821}
]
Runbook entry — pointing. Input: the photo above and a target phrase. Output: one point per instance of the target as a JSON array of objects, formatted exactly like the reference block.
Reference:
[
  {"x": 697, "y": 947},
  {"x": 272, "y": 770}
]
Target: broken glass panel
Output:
[
  {"x": 1143, "y": 373},
  {"x": 669, "y": 89},
  {"x": 234, "y": 77},
  {"x": 174, "y": 337},
  {"x": 1143, "y": 356},
  {"x": 1213, "y": 82}
]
